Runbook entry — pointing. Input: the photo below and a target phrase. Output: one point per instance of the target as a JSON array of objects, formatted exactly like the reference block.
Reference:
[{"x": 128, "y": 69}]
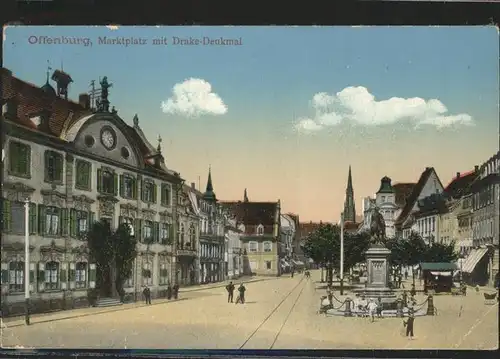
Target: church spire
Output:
[
  {"x": 349, "y": 206},
  {"x": 245, "y": 196},
  {"x": 209, "y": 194}
]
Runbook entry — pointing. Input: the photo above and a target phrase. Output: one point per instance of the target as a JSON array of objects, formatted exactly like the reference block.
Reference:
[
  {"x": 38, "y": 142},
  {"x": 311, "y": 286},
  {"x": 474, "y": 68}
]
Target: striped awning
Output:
[
  {"x": 284, "y": 263},
  {"x": 473, "y": 259},
  {"x": 297, "y": 263}
]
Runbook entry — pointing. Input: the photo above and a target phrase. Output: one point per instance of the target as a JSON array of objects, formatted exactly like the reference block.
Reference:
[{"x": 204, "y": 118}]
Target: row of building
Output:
[
  {"x": 79, "y": 162},
  {"x": 466, "y": 212}
]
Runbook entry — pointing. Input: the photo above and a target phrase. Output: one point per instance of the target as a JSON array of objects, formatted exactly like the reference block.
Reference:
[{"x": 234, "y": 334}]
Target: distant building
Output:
[
  {"x": 259, "y": 223},
  {"x": 428, "y": 183},
  {"x": 486, "y": 213}
]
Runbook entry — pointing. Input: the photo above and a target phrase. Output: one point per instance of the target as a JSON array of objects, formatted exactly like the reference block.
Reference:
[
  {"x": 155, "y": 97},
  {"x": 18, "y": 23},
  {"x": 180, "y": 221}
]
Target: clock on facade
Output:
[{"x": 108, "y": 138}]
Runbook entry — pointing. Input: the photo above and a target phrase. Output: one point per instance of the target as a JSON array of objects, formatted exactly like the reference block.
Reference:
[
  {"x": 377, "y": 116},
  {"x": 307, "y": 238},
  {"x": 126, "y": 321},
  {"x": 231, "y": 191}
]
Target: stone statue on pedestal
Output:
[{"x": 377, "y": 227}]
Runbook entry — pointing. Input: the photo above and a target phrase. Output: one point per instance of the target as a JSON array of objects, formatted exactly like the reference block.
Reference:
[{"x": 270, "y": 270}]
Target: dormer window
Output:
[{"x": 260, "y": 230}]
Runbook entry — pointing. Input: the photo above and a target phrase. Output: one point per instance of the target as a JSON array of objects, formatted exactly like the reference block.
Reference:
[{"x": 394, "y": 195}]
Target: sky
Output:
[{"x": 284, "y": 111}]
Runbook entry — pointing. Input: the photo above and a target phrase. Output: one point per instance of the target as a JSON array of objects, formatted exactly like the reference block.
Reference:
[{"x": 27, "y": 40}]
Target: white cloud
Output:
[
  {"x": 358, "y": 105},
  {"x": 192, "y": 98}
]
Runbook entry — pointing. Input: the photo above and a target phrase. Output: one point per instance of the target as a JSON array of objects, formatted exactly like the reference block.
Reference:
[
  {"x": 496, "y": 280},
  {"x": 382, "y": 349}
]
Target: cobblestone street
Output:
[{"x": 279, "y": 314}]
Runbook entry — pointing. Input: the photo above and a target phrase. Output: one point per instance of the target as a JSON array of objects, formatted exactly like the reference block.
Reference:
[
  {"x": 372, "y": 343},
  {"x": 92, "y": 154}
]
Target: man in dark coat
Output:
[
  {"x": 169, "y": 292},
  {"x": 409, "y": 323},
  {"x": 147, "y": 295},
  {"x": 175, "y": 289},
  {"x": 230, "y": 292},
  {"x": 241, "y": 296}
]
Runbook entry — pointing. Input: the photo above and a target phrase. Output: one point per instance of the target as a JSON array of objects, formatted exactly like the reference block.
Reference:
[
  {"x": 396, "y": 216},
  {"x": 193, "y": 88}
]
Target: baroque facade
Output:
[{"x": 75, "y": 163}]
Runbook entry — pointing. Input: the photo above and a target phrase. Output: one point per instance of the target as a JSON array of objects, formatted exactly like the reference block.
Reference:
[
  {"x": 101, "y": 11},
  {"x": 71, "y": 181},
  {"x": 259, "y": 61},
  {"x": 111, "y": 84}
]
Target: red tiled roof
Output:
[
  {"x": 461, "y": 184},
  {"x": 32, "y": 99},
  {"x": 253, "y": 214},
  {"x": 410, "y": 202}
]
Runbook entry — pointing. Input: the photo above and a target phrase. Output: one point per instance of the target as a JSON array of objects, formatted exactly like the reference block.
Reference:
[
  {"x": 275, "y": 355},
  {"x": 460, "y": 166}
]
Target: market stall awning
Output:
[
  {"x": 297, "y": 263},
  {"x": 473, "y": 259},
  {"x": 438, "y": 266},
  {"x": 443, "y": 274}
]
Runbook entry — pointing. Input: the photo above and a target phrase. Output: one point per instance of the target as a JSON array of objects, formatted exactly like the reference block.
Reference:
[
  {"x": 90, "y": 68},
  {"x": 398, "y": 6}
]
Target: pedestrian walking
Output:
[
  {"x": 230, "y": 292},
  {"x": 169, "y": 291},
  {"x": 175, "y": 290},
  {"x": 147, "y": 295},
  {"x": 292, "y": 272},
  {"x": 406, "y": 274},
  {"x": 405, "y": 298},
  {"x": 379, "y": 307},
  {"x": 372, "y": 309},
  {"x": 241, "y": 295},
  {"x": 409, "y": 324}
]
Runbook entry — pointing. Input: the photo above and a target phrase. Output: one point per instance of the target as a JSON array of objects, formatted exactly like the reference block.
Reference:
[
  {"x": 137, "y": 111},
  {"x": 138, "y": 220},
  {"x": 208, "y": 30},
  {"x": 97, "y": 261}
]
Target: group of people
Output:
[
  {"x": 172, "y": 291},
  {"x": 241, "y": 293}
]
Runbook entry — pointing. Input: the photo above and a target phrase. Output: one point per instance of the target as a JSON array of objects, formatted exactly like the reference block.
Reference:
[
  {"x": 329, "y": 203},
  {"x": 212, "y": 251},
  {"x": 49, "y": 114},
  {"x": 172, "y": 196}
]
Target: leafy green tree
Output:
[
  {"x": 440, "y": 252},
  {"x": 323, "y": 246},
  {"x": 112, "y": 252}
]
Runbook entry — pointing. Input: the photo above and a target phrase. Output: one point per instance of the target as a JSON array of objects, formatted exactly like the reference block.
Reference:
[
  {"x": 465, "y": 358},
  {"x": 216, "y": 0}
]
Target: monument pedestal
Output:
[{"x": 377, "y": 286}]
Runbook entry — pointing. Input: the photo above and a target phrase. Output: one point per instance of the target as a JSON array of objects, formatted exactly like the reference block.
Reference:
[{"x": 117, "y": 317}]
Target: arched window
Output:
[
  {"x": 260, "y": 230},
  {"x": 147, "y": 273},
  {"x": 52, "y": 275},
  {"x": 192, "y": 236}
]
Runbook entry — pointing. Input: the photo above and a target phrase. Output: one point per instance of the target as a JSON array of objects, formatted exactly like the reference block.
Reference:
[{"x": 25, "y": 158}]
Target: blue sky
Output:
[{"x": 268, "y": 83}]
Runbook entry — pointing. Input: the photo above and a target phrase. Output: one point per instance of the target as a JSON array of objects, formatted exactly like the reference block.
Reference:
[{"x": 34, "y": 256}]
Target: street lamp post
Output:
[
  {"x": 342, "y": 253},
  {"x": 27, "y": 261}
]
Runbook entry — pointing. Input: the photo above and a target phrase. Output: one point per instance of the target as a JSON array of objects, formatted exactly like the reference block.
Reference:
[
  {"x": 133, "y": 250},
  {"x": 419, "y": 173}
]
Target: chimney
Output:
[
  {"x": 193, "y": 185},
  {"x": 9, "y": 108},
  {"x": 84, "y": 100},
  {"x": 476, "y": 168},
  {"x": 458, "y": 174}
]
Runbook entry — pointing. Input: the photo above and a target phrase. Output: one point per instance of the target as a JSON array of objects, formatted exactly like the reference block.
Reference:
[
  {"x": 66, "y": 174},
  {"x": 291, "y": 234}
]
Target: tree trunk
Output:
[
  {"x": 112, "y": 277},
  {"x": 330, "y": 274}
]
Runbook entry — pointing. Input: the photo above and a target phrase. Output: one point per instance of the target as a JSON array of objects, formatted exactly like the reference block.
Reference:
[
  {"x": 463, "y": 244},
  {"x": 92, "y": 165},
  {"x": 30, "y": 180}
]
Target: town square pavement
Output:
[{"x": 280, "y": 313}]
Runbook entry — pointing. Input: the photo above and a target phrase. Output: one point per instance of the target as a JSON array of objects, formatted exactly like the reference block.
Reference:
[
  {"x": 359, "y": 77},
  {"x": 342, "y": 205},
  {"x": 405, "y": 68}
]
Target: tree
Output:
[
  {"x": 113, "y": 253},
  {"x": 440, "y": 252},
  {"x": 323, "y": 246}
]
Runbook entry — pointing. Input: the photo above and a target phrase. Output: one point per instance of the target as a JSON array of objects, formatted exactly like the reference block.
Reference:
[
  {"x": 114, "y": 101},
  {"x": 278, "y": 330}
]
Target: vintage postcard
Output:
[{"x": 250, "y": 187}]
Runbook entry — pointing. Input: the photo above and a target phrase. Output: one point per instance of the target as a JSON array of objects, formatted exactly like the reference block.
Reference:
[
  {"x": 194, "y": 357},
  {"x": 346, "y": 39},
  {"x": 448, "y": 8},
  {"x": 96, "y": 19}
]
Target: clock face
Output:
[{"x": 108, "y": 139}]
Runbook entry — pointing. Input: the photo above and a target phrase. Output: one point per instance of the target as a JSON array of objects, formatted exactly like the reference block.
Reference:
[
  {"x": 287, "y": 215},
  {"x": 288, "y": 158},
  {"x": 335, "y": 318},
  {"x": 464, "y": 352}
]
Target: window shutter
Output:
[
  {"x": 46, "y": 165},
  {"x": 32, "y": 223},
  {"x": 5, "y": 273},
  {"x": 64, "y": 221},
  {"x": 59, "y": 163},
  {"x": 41, "y": 219},
  {"x": 141, "y": 189},
  {"x": 99, "y": 180},
  {"x": 64, "y": 275},
  {"x": 92, "y": 275},
  {"x": 72, "y": 276},
  {"x": 115, "y": 187},
  {"x": 120, "y": 220},
  {"x": 6, "y": 215},
  {"x": 155, "y": 193},
  {"x": 92, "y": 218},
  {"x": 41, "y": 276},
  {"x": 72, "y": 223},
  {"x": 135, "y": 188},
  {"x": 122, "y": 185},
  {"x": 32, "y": 277},
  {"x": 138, "y": 229},
  {"x": 162, "y": 194},
  {"x": 156, "y": 231}
]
